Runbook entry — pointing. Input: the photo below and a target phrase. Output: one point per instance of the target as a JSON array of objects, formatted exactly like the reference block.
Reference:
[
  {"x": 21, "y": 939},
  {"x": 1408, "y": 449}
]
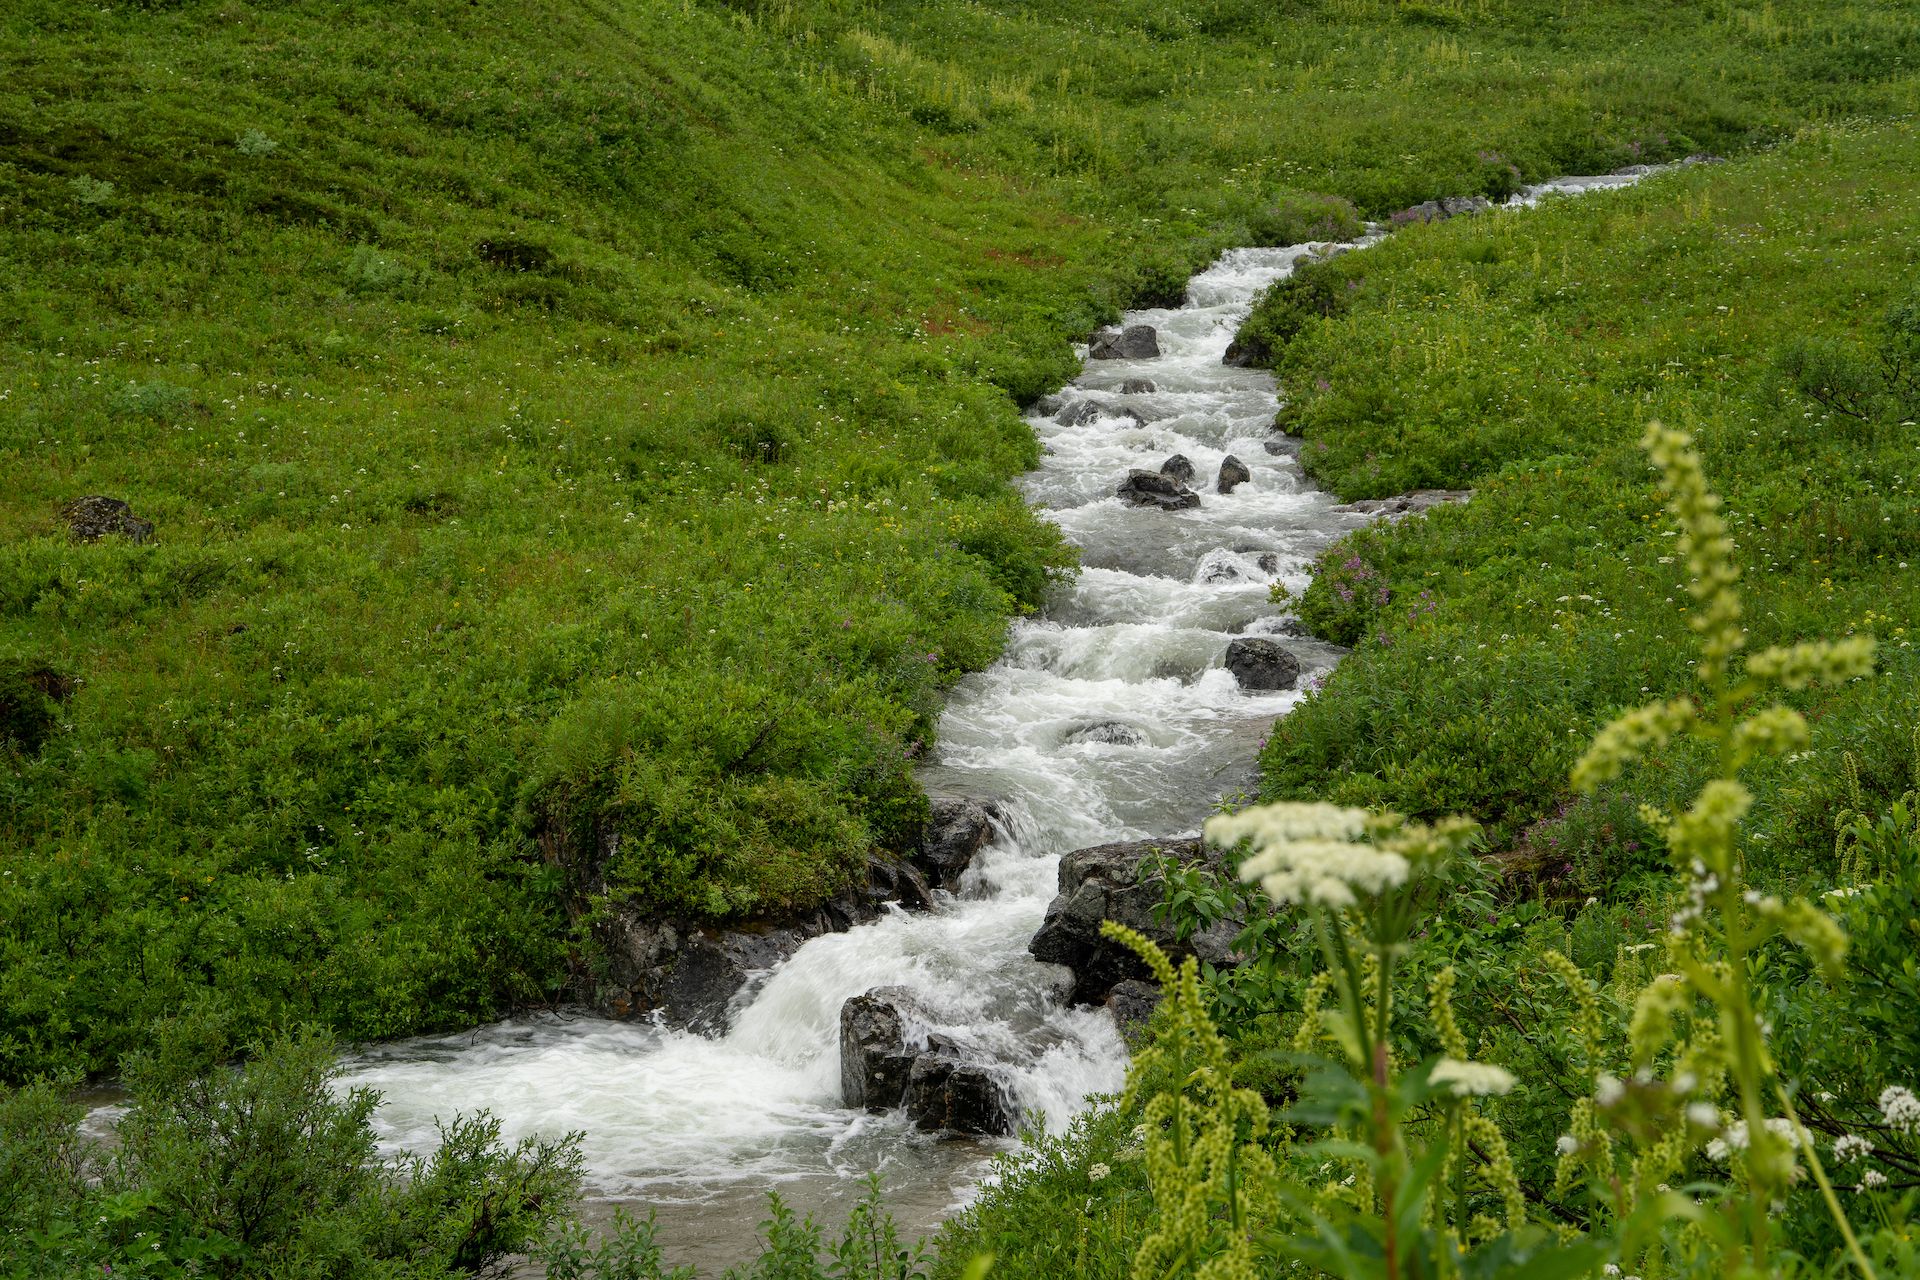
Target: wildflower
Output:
[
  {"x": 1851, "y": 1146},
  {"x": 1703, "y": 1115},
  {"x": 1567, "y": 1144},
  {"x": 1309, "y": 853},
  {"x": 1611, "y": 1270},
  {"x": 1872, "y": 1180},
  {"x": 1098, "y": 1173},
  {"x": 1608, "y": 1090},
  {"x": 1718, "y": 1150},
  {"x": 1900, "y": 1108},
  {"x": 1471, "y": 1079}
]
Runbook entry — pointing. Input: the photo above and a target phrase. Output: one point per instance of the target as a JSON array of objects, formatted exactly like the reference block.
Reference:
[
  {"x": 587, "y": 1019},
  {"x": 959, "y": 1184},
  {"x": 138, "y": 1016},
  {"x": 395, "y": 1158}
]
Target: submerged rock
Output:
[
  {"x": 1233, "y": 472},
  {"x": 1113, "y": 732},
  {"x": 1135, "y": 342},
  {"x": 1103, "y": 883},
  {"x": 1282, "y": 446},
  {"x": 1137, "y": 387},
  {"x": 94, "y": 517},
  {"x": 1156, "y": 489},
  {"x": 1261, "y": 664},
  {"x": 1084, "y": 411}
]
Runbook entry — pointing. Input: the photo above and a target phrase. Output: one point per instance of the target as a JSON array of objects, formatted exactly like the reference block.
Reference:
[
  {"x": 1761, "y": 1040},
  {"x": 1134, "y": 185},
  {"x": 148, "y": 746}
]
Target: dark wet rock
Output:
[
  {"x": 688, "y": 972},
  {"x": 1216, "y": 572},
  {"x": 1269, "y": 561},
  {"x": 950, "y": 1094},
  {"x": 1137, "y": 387},
  {"x": 94, "y": 517},
  {"x": 1243, "y": 354},
  {"x": 1084, "y": 411},
  {"x": 1113, "y": 732},
  {"x": 1282, "y": 446},
  {"x": 1132, "y": 1004},
  {"x": 1178, "y": 467},
  {"x": 1406, "y": 503},
  {"x": 1154, "y": 489},
  {"x": 958, "y": 827},
  {"x": 1233, "y": 472},
  {"x": 1103, "y": 883},
  {"x": 1261, "y": 664},
  {"x": 879, "y": 1040},
  {"x": 1441, "y": 210},
  {"x": 1293, "y": 627},
  {"x": 1135, "y": 342},
  {"x": 1048, "y": 405}
]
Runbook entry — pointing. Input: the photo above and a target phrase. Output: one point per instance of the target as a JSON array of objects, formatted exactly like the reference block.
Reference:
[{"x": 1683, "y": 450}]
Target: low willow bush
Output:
[{"x": 1708, "y": 1085}]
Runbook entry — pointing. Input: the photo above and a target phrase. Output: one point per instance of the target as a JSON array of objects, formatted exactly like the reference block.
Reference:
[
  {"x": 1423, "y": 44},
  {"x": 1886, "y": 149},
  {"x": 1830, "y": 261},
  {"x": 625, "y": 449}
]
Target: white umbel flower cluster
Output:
[
  {"x": 1309, "y": 853},
  {"x": 1471, "y": 1079},
  {"x": 1900, "y": 1108},
  {"x": 1851, "y": 1146}
]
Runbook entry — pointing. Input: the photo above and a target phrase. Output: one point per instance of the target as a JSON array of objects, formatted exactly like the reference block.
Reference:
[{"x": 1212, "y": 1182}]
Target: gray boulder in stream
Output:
[
  {"x": 888, "y": 1059},
  {"x": 1178, "y": 467},
  {"x": 1105, "y": 883},
  {"x": 1135, "y": 342},
  {"x": 958, "y": 827},
  {"x": 1262, "y": 664},
  {"x": 1137, "y": 387},
  {"x": 1233, "y": 472},
  {"x": 1156, "y": 489}
]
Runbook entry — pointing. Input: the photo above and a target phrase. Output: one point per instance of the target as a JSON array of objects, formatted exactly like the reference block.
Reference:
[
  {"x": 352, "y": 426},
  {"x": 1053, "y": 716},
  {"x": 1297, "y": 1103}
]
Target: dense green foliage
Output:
[{"x": 564, "y": 422}]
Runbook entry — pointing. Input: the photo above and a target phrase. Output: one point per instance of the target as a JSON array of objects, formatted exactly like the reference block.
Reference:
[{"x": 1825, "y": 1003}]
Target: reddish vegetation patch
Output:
[{"x": 946, "y": 320}]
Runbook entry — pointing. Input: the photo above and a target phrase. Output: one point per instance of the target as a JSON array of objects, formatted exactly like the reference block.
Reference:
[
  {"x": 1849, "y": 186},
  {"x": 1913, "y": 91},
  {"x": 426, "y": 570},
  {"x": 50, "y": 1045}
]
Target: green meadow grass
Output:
[
  {"x": 1522, "y": 355},
  {"x": 568, "y": 421}
]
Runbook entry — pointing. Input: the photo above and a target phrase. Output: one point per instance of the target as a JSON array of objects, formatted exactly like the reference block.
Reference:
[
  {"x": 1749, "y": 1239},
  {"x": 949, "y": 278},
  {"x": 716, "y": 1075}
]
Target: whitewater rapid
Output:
[{"x": 1109, "y": 717}]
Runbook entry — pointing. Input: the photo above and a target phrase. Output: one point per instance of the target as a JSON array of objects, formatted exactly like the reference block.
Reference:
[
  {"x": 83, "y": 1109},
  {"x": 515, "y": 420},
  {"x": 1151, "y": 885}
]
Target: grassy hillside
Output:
[
  {"x": 562, "y": 420},
  {"x": 1772, "y": 308}
]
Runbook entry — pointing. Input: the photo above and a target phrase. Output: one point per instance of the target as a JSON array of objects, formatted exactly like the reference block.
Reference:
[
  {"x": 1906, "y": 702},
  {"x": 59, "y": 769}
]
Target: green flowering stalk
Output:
[
  {"x": 1210, "y": 1175},
  {"x": 1723, "y": 921}
]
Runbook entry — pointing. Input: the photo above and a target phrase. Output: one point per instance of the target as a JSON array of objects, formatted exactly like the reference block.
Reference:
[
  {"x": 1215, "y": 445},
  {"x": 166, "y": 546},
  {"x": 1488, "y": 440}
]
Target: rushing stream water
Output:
[{"x": 1111, "y": 717}]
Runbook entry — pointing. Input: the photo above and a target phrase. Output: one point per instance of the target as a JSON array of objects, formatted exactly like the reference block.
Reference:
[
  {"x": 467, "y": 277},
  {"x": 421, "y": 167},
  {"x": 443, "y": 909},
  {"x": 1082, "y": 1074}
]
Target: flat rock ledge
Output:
[
  {"x": 689, "y": 973},
  {"x": 1406, "y": 504},
  {"x": 1104, "y": 883},
  {"x": 889, "y": 1057}
]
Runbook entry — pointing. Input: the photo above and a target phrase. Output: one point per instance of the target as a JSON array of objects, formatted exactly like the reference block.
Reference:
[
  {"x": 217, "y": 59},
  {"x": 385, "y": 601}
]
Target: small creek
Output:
[{"x": 1110, "y": 717}]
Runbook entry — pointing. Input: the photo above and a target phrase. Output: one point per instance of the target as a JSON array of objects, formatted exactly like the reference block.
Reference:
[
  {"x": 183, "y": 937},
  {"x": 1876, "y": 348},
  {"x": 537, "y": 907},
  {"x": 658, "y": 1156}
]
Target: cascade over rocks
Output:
[
  {"x": 1135, "y": 342},
  {"x": 1156, "y": 489},
  {"x": 1232, "y": 472},
  {"x": 1137, "y": 387},
  {"x": 1261, "y": 664},
  {"x": 688, "y": 971},
  {"x": 1103, "y": 883}
]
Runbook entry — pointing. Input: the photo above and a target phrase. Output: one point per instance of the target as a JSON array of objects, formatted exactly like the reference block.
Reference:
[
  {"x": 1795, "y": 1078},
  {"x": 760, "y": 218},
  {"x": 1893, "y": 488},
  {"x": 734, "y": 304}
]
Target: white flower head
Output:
[
  {"x": 1900, "y": 1108},
  {"x": 1851, "y": 1146},
  {"x": 1471, "y": 1079},
  {"x": 1703, "y": 1115},
  {"x": 1567, "y": 1144},
  {"x": 1608, "y": 1090},
  {"x": 1873, "y": 1179},
  {"x": 1309, "y": 853},
  {"x": 1098, "y": 1173},
  {"x": 1718, "y": 1150}
]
